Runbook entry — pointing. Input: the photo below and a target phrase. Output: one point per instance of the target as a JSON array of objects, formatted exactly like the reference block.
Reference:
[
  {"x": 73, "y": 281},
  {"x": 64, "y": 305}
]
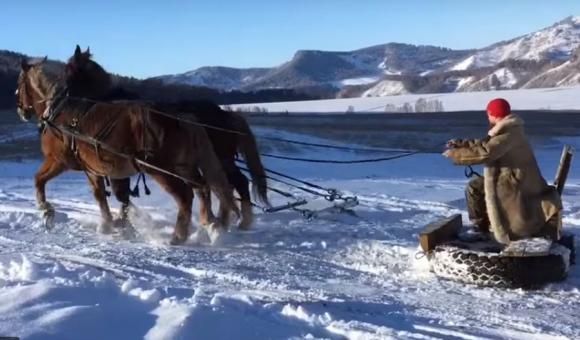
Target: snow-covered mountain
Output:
[
  {"x": 310, "y": 68},
  {"x": 539, "y": 59},
  {"x": 225, "y": 78},
  {"x": 556, "y": 42}
]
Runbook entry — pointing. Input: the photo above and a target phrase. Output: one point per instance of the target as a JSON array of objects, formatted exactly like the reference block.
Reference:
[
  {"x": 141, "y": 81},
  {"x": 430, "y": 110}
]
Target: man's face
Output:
[{"x": 492, "y": 120}]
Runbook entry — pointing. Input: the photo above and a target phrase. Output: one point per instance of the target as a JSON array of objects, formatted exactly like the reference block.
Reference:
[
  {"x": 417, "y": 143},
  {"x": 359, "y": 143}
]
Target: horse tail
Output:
[
  {"x": 248, "y": 147},
  {"x": 212, "y": 170}
]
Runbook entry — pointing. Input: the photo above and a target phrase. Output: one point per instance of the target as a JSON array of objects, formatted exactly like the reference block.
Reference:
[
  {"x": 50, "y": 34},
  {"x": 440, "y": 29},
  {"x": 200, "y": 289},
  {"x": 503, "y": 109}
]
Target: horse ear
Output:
[
  {"x": 44, "y": 59},
  {"x": 24, "y": 65},
  {"x": 88, "y": 51},
  {"x": 78, "y": 51}
]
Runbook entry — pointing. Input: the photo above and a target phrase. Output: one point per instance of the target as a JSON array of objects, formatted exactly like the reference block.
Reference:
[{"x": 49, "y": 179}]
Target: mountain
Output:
[
  {"x": 225, "y": 78},
  {"x": 149, "y": 89},
  {"x": 546, "y": 58},
  {"x": 556, "y": 42},
  {"x": 309, "y": 68}
]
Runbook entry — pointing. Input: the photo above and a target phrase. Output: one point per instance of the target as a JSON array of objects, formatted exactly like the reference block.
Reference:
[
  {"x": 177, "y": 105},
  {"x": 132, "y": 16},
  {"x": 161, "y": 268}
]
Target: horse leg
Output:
[
  {"x": 206, "y": 216},
  {"x": 98, "y": 184},
  {"x": 241, "y": 184},
  {"x": 48, "y": 170},
  {"x": 183, "y": 195},
  {"x": 122, "y": 189}
]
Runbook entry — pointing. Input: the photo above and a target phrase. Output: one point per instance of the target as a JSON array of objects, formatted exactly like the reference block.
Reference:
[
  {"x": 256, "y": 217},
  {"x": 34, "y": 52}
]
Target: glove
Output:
[{"x": 453, "y": 143}]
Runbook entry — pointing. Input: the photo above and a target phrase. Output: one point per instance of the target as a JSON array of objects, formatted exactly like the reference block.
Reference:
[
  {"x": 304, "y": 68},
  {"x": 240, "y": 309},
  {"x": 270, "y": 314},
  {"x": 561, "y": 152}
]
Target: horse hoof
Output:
[
  {"x": 210, "y": 222},
  {"x": 129, "y": 233},
  {"x": 245, "y": 225},
  {"x": 206, "y": 221},
  {"x": 215, "y": 232},
  {"x": 105, "y": 228},
  {"x": 176, "y": 240},
  {"x": 122, "y": 223},
  {"x": 47, "y": 215},
  {"x": 48, "y": 219}
]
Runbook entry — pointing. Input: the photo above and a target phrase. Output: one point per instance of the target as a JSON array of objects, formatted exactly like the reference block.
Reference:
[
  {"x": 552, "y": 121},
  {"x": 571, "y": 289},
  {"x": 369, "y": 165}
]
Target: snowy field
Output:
[
  {"x": 561, "y": 98},
  {"x": 337, "y": 277}
]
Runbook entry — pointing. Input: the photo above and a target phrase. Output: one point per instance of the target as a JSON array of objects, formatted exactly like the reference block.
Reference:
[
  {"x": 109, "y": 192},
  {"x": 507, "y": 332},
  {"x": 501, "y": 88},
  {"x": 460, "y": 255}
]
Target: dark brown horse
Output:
[
  {"x": 228, "y": 132},
  {"x": 128, "y": 133}
]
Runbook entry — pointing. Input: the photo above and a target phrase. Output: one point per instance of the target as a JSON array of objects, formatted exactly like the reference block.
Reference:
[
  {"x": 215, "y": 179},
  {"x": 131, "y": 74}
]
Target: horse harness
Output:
[
  {"x": 55, "y": 108},
  {"x": 53, "y": 111}
]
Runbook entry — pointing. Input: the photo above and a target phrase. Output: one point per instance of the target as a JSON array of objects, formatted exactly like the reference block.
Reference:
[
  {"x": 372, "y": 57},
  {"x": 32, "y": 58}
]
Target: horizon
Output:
[{"x": 131, "y": 39}]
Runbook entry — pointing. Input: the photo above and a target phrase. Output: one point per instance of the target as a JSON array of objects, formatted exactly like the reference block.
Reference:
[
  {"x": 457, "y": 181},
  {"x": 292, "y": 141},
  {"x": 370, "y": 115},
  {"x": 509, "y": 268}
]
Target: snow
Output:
[
  {"x": 563, "y": 98},
  {"x": 357, "y": 81},
  {"x": 386, "y": 88},
  {"x": 335, "y": 277},
  {"x": 556, "y": 42},
  {"x": 463, "y": 82},
  {"x": 363, "y": 62},
  {"x": 469, "y": 63},
  {"x": 506, "y": 77}
]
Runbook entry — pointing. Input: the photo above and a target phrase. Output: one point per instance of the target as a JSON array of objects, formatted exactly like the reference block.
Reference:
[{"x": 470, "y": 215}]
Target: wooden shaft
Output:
[{"x": 563, "y": 169}]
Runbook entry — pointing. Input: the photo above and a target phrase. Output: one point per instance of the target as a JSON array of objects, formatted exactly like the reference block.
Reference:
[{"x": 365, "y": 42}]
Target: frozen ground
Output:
[{"x": 337, "y": 277}]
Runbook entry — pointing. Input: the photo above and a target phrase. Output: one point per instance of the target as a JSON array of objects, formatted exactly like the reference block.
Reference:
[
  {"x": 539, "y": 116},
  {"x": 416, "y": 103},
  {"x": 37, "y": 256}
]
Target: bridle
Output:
[
  {"x": 26, "y": 93},
  {"x": 53, "y": 104}
]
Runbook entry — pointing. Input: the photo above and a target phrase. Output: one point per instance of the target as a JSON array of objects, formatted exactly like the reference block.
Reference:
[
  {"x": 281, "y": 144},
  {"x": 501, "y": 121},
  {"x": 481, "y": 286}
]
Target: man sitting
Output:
[{"x": 512, "y": 199}]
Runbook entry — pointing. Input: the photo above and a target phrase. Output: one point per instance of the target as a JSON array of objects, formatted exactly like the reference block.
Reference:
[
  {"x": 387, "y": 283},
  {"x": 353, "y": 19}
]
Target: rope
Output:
[
  {"x": 333, "y": 161},
  {"x": 289, "y": 141},
  {"x": 112, "y": 150},
  {"x": 337, "y": 147},
  {"x": 165, "y": 114},
  {"x": 312, "y": 185},
  {"x": 312, "y": 192},
  {"x": 469, "y": 172}
]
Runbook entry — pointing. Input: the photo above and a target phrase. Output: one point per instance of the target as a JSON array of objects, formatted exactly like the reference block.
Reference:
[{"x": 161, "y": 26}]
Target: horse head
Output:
[
  {"x": 33, "y": 90},
  {"x": 85, "y": 77}
]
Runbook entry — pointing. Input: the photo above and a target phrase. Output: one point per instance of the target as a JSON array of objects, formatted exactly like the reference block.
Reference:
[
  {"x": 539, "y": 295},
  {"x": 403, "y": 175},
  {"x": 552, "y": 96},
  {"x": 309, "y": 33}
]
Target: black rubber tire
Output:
[
  {"x": 492, "y": 269},
  {"x": 567, "y": 241}
]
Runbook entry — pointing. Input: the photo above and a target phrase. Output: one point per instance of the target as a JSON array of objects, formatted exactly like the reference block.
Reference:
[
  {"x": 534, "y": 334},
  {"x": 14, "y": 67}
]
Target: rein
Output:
[
  {"x": 54, "y": 111},
  {"x": 54, "y": 108}
]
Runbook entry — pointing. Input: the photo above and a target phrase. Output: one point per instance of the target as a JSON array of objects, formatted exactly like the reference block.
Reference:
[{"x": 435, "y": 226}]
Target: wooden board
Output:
[
  {"x": 440, "y": 232},
  {"x": 563, "y": 168}
]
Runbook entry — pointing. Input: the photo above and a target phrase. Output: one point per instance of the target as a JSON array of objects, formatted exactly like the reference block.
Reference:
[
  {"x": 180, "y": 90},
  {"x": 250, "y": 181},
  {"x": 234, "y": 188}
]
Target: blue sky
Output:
[{"x": 147, "y": 37}]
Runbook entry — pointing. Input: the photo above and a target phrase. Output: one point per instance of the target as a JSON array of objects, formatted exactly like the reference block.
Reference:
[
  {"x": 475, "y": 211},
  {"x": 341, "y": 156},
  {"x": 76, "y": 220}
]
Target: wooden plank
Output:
[
  {"x": 439, "y": 232},
  {"x": 563, "y": 168}
]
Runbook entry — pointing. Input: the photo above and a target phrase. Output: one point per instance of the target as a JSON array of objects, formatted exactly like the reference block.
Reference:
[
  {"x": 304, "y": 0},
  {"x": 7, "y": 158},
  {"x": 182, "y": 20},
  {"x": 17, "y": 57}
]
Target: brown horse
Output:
[
  {"x": 228, "y": 132},
  {"x": 127, "y": 133}
]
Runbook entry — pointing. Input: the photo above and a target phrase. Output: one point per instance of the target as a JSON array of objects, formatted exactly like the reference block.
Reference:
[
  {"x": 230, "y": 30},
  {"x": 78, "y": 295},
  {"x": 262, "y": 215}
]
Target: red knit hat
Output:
[{"x": 499, "y": 108}]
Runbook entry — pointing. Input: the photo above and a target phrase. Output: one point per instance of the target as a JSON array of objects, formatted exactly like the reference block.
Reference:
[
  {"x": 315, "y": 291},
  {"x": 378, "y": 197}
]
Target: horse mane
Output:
[
  {"x": 90, "y": 81},
  {"x": 101, "y": 78},
  {"x": 48, "y": 77}
]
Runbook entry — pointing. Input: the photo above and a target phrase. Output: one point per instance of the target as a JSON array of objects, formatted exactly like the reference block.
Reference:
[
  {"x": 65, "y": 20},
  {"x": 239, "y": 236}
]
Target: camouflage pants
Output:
[{"x": 475, "y": 196}]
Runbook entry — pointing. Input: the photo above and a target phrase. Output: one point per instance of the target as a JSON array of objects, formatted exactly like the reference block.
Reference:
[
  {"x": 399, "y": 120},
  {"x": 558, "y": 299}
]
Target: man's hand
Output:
[
  {"x": 453, "y": 143},
  {"x": 447, "y": 153}
]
